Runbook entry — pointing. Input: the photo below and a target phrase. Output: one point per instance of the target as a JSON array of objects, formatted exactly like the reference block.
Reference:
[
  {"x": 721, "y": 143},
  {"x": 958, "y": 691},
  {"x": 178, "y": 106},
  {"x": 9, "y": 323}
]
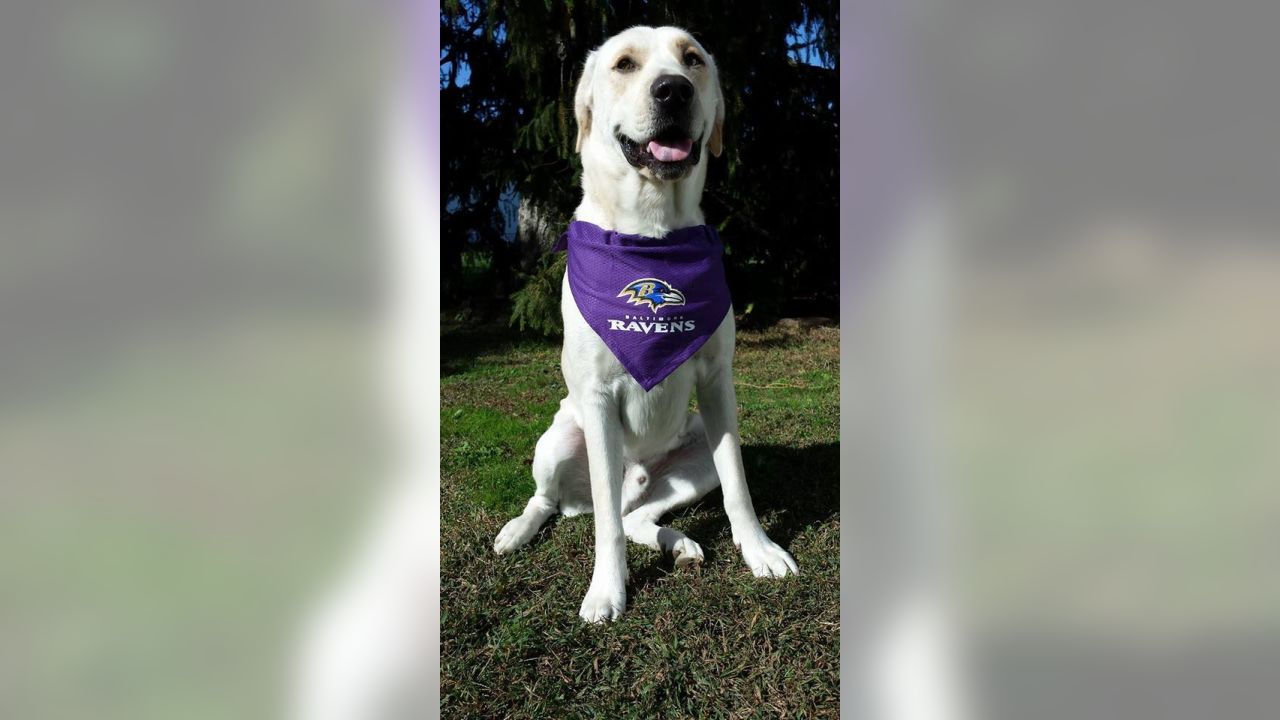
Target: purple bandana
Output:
[{"x": 653, "y": 301}]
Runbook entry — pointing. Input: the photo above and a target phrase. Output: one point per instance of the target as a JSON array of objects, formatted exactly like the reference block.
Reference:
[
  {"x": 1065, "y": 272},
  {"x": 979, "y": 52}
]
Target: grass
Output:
[{"x": 703, "y": 642}]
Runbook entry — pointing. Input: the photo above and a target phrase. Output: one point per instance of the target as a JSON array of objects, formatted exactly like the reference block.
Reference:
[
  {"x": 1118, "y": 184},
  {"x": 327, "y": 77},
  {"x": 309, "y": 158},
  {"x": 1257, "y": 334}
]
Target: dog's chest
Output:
[
  {"x": 649, "y": 420},
  {"x": 654, "y": 417}
]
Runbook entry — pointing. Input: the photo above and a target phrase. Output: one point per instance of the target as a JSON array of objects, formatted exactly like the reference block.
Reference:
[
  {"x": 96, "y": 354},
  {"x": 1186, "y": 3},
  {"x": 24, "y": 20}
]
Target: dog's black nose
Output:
[{"x": 671, "y": 91}]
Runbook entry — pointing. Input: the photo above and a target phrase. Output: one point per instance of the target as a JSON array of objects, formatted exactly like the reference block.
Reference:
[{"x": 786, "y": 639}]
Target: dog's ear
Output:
[
  {"x": 582, "y": 101},
  {"x": 716, "y": 142}
]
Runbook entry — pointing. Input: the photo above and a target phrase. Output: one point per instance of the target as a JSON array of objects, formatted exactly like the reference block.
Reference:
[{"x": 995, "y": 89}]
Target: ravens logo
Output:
[{"x": 652, "y": 292}]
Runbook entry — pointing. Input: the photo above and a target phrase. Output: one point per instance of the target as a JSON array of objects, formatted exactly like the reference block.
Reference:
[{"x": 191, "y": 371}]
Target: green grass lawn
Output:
[{"x": 702, "y": 642}]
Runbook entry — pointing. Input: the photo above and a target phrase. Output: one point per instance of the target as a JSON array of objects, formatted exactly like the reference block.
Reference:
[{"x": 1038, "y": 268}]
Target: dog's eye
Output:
[
  {"x": 624, "y": 64},
  {"x": 692, "y": 59}
]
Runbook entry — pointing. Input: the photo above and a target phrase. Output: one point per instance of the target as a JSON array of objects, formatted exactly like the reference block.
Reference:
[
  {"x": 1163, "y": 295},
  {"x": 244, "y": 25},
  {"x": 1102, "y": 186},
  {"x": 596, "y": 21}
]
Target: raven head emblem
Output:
[{"x": 652, "y": 292}]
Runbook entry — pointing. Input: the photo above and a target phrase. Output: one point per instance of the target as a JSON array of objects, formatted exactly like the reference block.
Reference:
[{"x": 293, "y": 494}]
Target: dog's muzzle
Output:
[
  {"x": 671, "y": 152},
  {"x": 669, "y": 155}
]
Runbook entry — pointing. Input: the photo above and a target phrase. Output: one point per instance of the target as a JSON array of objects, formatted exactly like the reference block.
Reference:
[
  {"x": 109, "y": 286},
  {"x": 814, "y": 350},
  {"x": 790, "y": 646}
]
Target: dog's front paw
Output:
[
  {"x": 603, "y": 604},
  {"x": 766, "y": 559},
  {"x": 513, "y": 536}
]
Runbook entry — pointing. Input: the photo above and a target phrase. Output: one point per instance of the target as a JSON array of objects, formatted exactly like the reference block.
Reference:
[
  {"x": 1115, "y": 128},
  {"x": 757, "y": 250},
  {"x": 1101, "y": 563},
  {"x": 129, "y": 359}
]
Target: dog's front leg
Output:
[
  {"x": 718, "y": 404},
  {"x": 602, "y": 429}
]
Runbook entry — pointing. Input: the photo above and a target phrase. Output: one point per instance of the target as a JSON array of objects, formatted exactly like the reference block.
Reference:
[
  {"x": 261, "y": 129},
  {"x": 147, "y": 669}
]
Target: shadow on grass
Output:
[
  {"x": 795, "y": 488},
  {"x": 461, "y": 347},
  {"x": 760, "y": 341}
]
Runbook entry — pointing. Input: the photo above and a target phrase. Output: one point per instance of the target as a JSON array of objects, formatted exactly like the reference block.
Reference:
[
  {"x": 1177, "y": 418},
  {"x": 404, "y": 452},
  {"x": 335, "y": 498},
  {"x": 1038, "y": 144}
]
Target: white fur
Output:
[{"x": 610, "y": 434}]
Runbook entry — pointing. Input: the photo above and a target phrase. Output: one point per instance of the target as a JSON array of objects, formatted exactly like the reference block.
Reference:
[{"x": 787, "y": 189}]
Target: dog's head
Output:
[{"x": 650, "y": 98}]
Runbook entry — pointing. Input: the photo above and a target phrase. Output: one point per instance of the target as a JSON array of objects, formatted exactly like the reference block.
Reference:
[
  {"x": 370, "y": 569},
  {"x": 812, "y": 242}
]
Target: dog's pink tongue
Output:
[{"x": 670, "y": 152}]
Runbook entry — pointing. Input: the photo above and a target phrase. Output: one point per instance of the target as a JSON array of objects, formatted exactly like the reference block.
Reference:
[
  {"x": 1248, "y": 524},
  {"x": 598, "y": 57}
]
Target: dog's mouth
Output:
[{"x": 669, "y": 154}]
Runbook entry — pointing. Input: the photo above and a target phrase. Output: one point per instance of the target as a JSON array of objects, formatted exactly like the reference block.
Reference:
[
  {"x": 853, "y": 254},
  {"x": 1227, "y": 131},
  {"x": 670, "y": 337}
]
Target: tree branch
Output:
[{"x": 740, "y": 213}]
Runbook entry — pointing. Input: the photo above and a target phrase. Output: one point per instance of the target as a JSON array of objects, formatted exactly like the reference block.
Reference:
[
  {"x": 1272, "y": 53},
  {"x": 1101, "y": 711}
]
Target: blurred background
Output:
[
  {"x": 189, "y": 261},
  {"x": 1111, "y": 393},
  {"x": 190, "y": 279}
]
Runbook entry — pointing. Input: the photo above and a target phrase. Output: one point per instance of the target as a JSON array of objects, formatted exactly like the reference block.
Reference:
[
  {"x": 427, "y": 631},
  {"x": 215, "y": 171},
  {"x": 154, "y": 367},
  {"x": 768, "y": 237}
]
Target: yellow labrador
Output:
[{"x": 649, "y": 111}]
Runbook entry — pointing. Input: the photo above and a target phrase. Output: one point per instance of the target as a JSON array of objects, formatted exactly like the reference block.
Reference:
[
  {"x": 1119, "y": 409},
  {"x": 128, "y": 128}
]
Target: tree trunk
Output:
[{"x": 537, "y": 229}]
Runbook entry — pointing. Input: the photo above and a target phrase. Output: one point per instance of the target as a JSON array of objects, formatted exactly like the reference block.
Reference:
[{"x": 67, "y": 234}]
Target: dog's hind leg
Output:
[
  {"x": 560, "y": 457},
  {"x": 678, "y": 480}
]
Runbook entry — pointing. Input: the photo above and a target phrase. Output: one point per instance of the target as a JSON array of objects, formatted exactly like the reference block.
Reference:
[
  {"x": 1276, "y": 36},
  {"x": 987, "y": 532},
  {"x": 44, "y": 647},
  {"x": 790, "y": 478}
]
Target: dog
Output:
[{"x": 649, "y": 110}]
